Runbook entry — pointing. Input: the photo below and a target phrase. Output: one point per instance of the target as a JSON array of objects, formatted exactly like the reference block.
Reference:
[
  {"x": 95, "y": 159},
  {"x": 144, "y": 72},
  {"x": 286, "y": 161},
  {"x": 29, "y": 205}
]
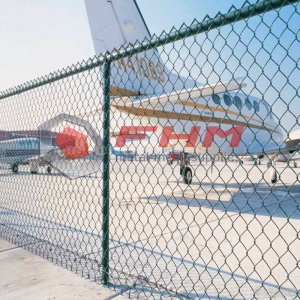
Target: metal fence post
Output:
[{"x": 105, "y": 191}]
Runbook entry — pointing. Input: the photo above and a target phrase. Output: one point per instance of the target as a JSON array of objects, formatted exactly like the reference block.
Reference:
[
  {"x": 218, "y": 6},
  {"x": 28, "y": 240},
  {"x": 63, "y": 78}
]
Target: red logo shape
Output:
[{"x": 72, "y": 143}]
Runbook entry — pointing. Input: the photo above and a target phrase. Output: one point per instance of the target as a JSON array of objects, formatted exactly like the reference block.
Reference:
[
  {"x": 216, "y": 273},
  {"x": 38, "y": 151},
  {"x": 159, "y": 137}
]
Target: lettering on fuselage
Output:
[{"x": 142, "y": 67}]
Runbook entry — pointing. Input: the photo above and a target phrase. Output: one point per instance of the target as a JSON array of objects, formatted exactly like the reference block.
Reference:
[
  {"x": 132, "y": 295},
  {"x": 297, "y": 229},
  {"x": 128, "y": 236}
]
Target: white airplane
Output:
[
  {"x": 66, "y": 151},
  {"x": 22, "y": 148},
  {"x": 211, "y": 118}
]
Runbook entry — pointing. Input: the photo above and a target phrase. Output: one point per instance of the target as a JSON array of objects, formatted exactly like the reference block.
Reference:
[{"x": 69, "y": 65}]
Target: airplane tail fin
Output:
[{"x": 118, "y": 23}]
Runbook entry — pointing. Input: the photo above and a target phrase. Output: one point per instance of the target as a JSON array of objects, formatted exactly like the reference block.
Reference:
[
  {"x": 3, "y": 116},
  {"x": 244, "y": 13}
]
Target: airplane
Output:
[
  {"x": 23, "y": 148},
  {"x": 200, "y": 118},
  {"x": 293, "y": 147},
  {"x": 291, "y": 151},
  {"x": 125, "y": 155},
  {"x": 60, "y": 150}
]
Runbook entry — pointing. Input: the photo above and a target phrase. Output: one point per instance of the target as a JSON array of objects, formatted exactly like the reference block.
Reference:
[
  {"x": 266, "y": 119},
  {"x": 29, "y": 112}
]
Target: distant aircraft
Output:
[
  {"x": 291, "y": 152},
  {"x": 125, "y": 155},
  {"x": 43, "y": 147},
  {"x": 23, "y": 148},
  {"x": 207, "y": 119},
  {"x": 293, "y": 144}
]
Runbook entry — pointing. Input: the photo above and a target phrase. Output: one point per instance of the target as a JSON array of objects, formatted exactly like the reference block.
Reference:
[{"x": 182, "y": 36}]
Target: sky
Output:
[{"x": 38, "y": 37}]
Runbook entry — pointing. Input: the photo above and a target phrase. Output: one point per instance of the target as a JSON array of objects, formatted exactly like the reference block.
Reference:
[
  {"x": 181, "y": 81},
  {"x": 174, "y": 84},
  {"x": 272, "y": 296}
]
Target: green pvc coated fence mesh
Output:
[{"x": 168, "y": 167}]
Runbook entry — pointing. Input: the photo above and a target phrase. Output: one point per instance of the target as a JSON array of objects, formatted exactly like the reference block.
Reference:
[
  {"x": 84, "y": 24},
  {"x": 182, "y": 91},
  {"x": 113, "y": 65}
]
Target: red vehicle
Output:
[{"x": 173, "y": 156}]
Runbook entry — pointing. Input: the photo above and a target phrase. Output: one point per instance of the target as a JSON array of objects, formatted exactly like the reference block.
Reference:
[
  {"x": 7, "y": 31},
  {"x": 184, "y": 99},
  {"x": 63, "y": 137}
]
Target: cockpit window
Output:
[
  {"x": 227, "y": 99},
  {"x": 216, "y": 99},
  {"x": 238, "y": 102}
]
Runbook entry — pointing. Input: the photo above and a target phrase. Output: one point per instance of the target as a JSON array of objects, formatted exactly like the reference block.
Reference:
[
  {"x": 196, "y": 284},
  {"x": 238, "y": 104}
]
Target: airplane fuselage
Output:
[
  {"x": 231, "y": 123},
  {"x": 18, "y": 146}
]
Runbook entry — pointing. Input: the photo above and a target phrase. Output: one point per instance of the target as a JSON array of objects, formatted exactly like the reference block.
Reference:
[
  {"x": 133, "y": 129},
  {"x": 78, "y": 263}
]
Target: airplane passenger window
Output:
[
  {"x": 238, "y": 102},
  {"x": 256, "y": 106},
  {"x": 248, "y": 103},
  {"x": 227, "y": 99},
  {"x": 216, "y": 99}
]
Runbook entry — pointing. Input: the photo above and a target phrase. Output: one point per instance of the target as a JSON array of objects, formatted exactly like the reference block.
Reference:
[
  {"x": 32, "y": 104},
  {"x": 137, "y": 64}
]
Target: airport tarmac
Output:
[
  {"x": 230, "y": 234},
  {"x": 27, "y": 276}
]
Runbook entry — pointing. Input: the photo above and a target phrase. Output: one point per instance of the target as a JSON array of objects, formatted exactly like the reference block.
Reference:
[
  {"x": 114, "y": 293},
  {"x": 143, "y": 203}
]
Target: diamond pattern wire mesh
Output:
[{"x": 230, "y": 233}]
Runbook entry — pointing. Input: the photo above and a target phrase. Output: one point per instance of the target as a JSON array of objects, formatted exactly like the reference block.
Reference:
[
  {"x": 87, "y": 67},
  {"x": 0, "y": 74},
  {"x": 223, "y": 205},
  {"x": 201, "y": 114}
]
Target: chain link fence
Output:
[{"x": 168, "y": 168}]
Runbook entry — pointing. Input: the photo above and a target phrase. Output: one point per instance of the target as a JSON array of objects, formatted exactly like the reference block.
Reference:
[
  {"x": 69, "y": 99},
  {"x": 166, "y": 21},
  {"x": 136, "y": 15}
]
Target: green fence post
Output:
[{"x": 105, "y": 191}]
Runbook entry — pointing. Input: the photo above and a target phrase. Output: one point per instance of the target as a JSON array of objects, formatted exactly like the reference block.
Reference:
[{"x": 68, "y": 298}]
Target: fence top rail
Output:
[{"x": 232, "y": 16}]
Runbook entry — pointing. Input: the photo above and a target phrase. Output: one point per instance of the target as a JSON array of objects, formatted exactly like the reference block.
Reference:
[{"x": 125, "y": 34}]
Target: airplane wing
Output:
[
  {"x": 295, "y": 156},
  {"x": 172, "y": 98},
  {"x": 271, "y": 148},
  {"x": 159, "y": 101}
]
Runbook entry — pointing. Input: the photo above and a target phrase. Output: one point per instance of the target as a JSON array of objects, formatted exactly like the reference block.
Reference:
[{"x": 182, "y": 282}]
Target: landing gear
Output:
[
  {"x": 34, "y": 167},
  {"x": 187, "y": 175},
  {"x": 273, "y": 172},
  {"x": 15, "y": 168},
  {"x": 49, "y": 170},
  {"x": 273, "y": 175},
  {"x": 185, "y": 170}
]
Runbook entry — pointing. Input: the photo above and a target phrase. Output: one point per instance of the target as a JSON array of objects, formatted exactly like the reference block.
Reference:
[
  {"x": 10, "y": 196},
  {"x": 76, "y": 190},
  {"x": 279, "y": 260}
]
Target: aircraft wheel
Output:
[
  {"x": 273, "y": 175},
  {"x": 15, "y": 168},
  {"x": 33, "y": 172},
  {"x": 49, "y": 170},
  {"x": 187, "y": 175}
]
